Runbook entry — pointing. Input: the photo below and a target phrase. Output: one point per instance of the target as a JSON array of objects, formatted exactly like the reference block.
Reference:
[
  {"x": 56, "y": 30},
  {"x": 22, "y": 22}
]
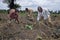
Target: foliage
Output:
[
  {"x": 39, "y": 39},
  {"x": 11, "y": 4},
  {"x": 7, "y": 1},
  {"x": 15, "y": 6},
  {"x": 29, "y": 27}
]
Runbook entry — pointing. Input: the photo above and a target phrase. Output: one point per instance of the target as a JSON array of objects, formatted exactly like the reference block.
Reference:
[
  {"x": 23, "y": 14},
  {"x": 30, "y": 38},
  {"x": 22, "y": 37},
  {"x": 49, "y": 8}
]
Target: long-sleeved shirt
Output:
[{"x": 44, "y": 13}]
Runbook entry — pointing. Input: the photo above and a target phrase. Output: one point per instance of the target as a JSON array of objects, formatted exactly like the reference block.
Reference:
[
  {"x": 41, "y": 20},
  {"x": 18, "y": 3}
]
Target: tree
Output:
[
  {"x": 59, "y": 12},
  {"x": 15, "y": 6},
  {"x": 11, "y": 4}
]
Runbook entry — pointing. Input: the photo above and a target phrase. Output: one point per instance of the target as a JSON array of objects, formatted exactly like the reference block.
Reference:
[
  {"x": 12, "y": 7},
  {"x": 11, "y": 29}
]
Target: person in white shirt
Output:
[{"x": 43, "y": 14}]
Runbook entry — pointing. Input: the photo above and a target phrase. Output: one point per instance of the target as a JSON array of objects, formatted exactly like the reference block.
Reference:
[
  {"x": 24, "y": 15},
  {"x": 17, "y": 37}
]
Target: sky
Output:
[{"x": 33, "y": 4}]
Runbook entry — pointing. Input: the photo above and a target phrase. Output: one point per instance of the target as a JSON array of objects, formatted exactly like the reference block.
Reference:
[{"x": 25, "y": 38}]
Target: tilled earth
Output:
[{"x": 14, "y": 31}]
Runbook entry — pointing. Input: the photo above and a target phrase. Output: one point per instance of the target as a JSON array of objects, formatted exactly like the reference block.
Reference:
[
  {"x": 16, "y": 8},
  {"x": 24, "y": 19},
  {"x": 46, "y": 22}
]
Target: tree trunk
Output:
[{"x": 11, "y": 5}]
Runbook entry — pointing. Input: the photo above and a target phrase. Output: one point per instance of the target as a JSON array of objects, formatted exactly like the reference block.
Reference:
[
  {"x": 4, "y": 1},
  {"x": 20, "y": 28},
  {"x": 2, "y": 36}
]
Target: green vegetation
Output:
[
  {"x": 11, "y": 4},
  {"x": 29, "y": 27},
  {"x": 22, "y": 13},
  {"x": 3, "y": 11},
  {"x": 39, "y": 39}
]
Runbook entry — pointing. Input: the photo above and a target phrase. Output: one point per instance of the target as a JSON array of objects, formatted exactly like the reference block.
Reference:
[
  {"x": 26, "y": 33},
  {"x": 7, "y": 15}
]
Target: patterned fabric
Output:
[{"x": 13, "y": 16}]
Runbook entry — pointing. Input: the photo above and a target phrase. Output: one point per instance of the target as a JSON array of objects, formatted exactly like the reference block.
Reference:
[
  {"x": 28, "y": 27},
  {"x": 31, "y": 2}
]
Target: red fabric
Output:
[{"x": 13, "y": 16}]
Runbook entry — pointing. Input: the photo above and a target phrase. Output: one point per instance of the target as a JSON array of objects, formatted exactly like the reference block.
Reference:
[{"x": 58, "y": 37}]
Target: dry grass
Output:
[{"x": 18, "y": 30}]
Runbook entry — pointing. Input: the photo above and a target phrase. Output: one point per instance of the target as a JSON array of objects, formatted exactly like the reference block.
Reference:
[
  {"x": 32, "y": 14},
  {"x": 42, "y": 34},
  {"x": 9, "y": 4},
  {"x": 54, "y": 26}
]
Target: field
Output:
[{"x": 16, "y": 31}]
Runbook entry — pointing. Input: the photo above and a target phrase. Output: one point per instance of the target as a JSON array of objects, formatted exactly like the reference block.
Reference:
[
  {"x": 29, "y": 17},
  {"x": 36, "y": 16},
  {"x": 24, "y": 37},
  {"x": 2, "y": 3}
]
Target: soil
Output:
[{"x": 15, "y": 31}]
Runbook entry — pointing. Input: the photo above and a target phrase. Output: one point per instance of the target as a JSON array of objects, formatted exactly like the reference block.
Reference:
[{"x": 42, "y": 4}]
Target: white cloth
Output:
[{"x": 45, "y": 14}]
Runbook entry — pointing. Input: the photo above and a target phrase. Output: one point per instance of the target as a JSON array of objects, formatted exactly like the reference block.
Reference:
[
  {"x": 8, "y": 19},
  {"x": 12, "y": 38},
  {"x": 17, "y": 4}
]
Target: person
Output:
[
  {"x": 13, "y": 14},
  {"x": 29, "y": 14},
  {"x": 16, "y": 11},
  {"x": 44, "y": 16}
]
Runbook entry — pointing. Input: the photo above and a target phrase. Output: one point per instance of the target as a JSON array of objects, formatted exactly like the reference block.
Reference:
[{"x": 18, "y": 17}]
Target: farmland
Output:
[{"x": 16, "y": 31}]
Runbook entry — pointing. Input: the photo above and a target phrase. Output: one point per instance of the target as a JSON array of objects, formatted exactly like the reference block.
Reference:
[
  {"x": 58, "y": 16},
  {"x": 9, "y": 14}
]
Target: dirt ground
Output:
[{"x": 16, "y": 31}]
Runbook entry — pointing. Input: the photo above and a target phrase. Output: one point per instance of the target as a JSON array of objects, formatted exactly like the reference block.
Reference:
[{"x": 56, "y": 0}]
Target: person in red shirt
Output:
[{"x": 13, "y": 14}]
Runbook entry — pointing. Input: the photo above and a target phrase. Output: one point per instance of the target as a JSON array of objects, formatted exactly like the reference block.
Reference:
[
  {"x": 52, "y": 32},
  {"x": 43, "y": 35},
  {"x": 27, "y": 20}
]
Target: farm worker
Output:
[
  {"x": 43, "y": 15},
  {"x": 29, "y": 14},
  {"x": 13, "y": 14}
]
